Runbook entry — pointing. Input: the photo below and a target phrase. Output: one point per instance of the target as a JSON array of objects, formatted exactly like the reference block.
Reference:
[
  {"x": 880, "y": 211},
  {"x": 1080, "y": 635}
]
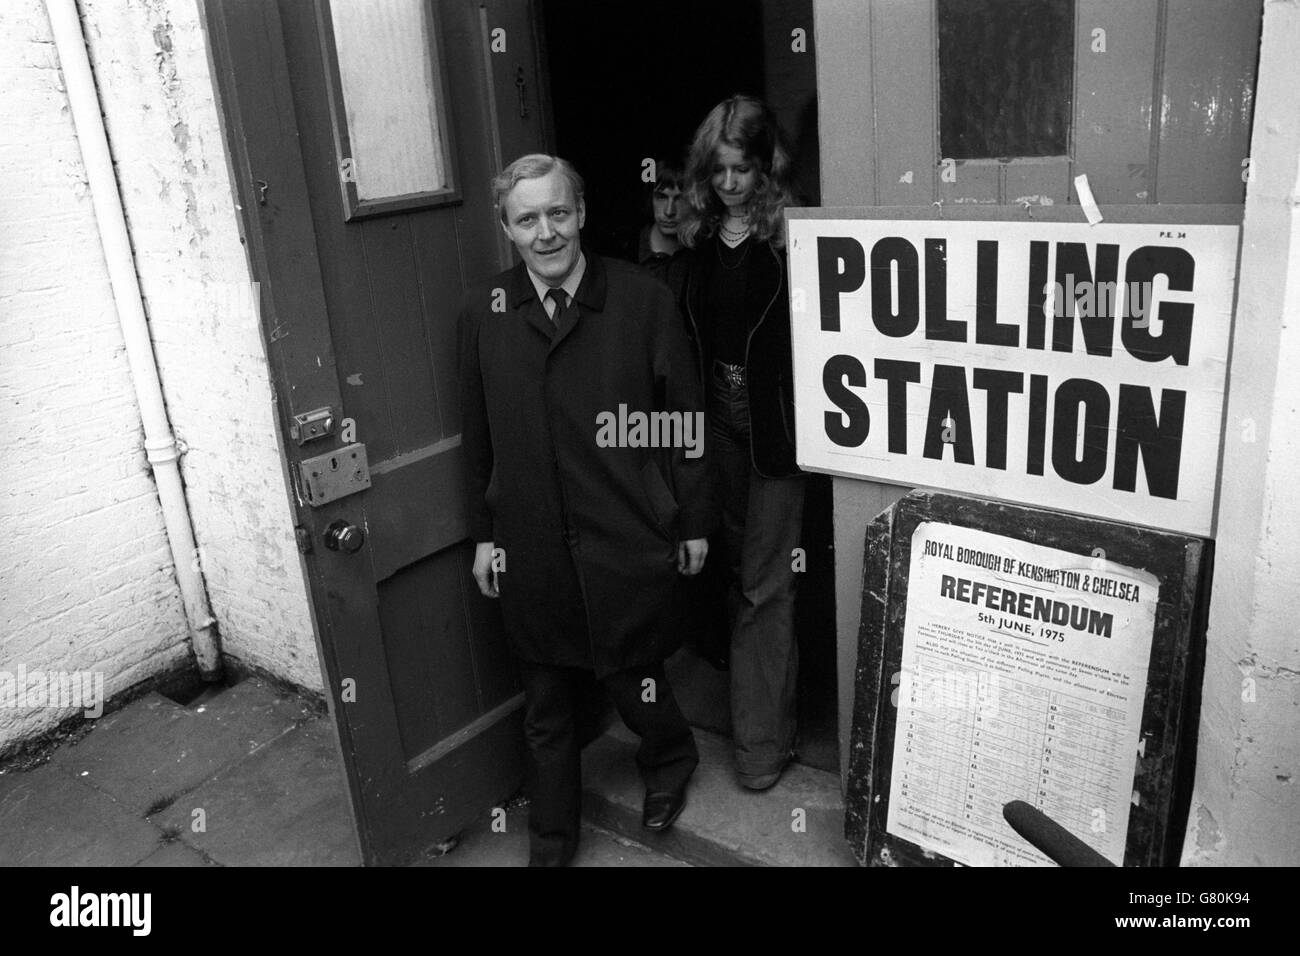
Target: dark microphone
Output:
[{"x": 1049, "y": 837}]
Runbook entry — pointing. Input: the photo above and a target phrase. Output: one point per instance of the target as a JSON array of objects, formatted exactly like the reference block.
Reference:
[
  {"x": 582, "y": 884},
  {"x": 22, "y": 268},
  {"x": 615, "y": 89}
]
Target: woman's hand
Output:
[{"x": 690, "y": 556}]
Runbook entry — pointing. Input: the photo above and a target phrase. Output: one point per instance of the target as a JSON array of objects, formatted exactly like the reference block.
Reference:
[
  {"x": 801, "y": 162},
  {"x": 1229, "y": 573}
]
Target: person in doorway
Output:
[
  {"x": 582, "y": 528},
  {"x": 656, "y": 242},
  {"x": 735, "y": 297}
]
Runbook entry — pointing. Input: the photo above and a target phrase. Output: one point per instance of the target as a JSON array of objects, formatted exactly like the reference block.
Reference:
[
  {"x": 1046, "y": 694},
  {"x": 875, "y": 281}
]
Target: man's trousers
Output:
[{"x": 553, "y": 707}]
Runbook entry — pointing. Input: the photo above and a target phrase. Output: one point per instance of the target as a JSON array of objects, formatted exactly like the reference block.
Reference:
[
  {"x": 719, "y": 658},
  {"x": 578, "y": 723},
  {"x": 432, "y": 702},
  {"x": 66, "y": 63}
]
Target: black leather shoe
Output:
[{"x": 662, "y": 808}]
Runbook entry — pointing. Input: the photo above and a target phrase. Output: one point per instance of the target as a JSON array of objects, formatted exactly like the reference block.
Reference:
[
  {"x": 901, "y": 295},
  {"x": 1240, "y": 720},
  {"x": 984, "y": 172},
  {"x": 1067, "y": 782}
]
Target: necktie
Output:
[{"x": 557, "y": 296}]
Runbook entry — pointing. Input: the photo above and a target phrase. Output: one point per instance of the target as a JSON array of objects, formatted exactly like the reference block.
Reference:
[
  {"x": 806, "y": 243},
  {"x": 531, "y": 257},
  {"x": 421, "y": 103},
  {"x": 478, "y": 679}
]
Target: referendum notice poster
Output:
[
  {"x": 1056, "y": 364},
  {"x": 1024, "y": 672}
]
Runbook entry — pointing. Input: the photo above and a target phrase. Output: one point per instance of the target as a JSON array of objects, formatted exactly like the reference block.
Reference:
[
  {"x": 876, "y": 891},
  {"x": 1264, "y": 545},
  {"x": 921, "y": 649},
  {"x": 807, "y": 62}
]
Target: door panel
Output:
[
  {"x": 1046, "y": 179},
  {"x": 1112, "y": 110},
  {"x": 974, "y": 181},
  {"x": 429, "y": 649},
  {"x": 410, "y": 523},
  {"x": 398, "y": 324},
  {"x": 360, "y": 316},
  {"x": 1211, "y": 52},
  {"x": 902, "y": 57}
]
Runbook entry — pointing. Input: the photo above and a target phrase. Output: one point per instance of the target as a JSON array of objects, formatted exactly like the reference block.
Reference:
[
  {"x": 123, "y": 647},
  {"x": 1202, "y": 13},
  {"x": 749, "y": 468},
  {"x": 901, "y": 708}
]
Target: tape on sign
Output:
[{"x": 1086, "y": 200}]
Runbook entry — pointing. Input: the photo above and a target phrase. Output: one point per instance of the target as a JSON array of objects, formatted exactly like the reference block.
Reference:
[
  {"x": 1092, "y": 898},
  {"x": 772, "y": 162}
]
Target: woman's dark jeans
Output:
[{"x": 762, "y": 519}]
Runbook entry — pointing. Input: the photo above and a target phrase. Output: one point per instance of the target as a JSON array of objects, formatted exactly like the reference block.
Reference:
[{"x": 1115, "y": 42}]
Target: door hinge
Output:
[
  {"x": 304, "y": 538},
  {"x": 335, "y": 474},
  {"x": 347, "y": 170}
]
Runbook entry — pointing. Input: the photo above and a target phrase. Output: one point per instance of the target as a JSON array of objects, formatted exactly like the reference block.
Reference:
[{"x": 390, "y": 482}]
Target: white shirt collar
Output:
[{"x": 570, "y": 285}]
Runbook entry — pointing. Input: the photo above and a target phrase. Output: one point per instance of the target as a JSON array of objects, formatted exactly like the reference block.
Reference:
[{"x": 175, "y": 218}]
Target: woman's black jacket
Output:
[{"x": 769, "y": 374}]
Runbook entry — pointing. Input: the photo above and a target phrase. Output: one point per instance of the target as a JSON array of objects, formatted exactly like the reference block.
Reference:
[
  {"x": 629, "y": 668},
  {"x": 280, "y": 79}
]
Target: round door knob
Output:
[{"x": 341, "y": 536}]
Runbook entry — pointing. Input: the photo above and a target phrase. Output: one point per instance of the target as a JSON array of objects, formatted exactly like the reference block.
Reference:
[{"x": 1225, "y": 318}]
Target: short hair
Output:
[
  {"x": 668, "y": 174},
  {"x": 532, "y": 166}
]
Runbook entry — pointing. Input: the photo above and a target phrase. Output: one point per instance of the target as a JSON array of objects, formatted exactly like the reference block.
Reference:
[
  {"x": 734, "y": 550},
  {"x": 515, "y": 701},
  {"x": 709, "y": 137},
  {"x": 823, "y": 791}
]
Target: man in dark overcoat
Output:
[{"x": 584, "y": 516}]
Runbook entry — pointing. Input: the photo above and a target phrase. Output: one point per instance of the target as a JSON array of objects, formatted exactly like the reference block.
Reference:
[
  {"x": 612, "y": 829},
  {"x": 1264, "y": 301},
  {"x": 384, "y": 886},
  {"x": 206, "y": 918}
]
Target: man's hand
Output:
[
  {"x": 690, "y": 556},
  {"x": 483, "y": 573}
]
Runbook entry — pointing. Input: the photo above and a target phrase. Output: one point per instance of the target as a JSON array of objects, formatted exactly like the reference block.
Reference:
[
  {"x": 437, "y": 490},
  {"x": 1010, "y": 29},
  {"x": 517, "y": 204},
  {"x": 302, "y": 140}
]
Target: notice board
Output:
[
  {"x": 1021, "y": 354},
  {"x": 1011, "y": 653}
]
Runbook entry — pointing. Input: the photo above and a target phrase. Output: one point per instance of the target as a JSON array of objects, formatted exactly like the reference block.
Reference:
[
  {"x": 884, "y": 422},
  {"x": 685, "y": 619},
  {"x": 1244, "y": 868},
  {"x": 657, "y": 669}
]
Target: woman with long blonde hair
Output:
[{"x": 736, "y": 299}]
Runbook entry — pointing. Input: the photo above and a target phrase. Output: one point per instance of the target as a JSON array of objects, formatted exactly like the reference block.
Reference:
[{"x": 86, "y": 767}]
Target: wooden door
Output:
[{"x": 362, "y": 249}]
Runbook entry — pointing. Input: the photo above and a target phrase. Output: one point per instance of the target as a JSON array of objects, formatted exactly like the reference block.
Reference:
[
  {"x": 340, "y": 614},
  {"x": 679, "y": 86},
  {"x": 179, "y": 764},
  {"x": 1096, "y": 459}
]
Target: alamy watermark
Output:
[
  {"x": 130, "y": 910},
  {"x": 81, "y": 690},
  {"x": 1091, "y": 300},
  {"x": 624, "y": 429},
  {"x": 950, "y": 690}
]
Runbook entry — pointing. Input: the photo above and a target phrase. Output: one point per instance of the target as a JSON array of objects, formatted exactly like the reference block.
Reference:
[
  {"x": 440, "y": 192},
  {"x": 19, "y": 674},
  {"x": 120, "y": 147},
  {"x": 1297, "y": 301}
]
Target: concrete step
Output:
[
  {"x": 799, "y": 822},
  {"x": 504, "y": 842}
]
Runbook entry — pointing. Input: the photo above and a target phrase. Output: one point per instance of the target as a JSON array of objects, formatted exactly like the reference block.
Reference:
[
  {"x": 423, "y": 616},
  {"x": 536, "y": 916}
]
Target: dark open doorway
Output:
[{"x": 630, "y": 82}]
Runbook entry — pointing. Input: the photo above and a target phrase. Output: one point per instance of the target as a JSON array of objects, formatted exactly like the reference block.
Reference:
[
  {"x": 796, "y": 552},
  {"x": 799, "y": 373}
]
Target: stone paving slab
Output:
[
  {"x": 481, "y": 845},
  {"x": 723, "y": 824},
  {"x": 284, "y": 805},
  {"x": 256, "y": 711},
  {"x": 47, "y": 819},
  {"x": 154, "y": 749}
]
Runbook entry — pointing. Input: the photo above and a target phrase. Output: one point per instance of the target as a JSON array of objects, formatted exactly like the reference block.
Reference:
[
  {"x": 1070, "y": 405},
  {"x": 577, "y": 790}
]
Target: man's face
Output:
[
  {"x": 543, "y": 220},
  {"x": 668, "y": 204}
]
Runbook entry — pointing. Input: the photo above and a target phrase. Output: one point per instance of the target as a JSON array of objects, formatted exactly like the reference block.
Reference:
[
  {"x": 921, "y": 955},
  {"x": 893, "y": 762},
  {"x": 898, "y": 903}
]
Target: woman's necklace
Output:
[{"x": 734, "y": 237}]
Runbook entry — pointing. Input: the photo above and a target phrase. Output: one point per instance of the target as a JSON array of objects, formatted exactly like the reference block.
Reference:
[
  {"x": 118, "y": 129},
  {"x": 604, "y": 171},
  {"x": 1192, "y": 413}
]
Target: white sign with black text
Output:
[{"x": 1058, "y": 364}]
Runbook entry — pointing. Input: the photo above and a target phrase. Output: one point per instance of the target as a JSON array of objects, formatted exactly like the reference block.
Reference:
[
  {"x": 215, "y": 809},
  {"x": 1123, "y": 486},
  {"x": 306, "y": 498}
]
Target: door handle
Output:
[
  {"x": 522, "y": 86},
  {"x": 345, "y": 537}
]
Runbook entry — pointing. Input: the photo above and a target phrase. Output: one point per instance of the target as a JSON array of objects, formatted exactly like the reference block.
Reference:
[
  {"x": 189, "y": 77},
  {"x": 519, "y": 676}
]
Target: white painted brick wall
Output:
[
  {"x": 87, "y": 581},
  {"x": 151, "y": 63}
]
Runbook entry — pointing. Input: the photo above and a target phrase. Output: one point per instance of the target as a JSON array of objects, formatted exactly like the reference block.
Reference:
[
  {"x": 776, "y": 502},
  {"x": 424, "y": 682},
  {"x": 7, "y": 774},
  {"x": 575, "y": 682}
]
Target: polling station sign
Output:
[{"x": 1052, "y": 363}]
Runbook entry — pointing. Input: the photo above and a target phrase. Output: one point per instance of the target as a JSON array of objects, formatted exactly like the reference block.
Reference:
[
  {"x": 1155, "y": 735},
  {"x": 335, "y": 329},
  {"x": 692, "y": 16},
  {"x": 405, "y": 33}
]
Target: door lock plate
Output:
[{"x": 335, "y": 474}]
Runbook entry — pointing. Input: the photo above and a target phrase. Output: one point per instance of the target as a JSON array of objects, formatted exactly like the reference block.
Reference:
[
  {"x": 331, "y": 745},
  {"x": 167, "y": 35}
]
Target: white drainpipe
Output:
[{"x": 159, "y": 443}]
